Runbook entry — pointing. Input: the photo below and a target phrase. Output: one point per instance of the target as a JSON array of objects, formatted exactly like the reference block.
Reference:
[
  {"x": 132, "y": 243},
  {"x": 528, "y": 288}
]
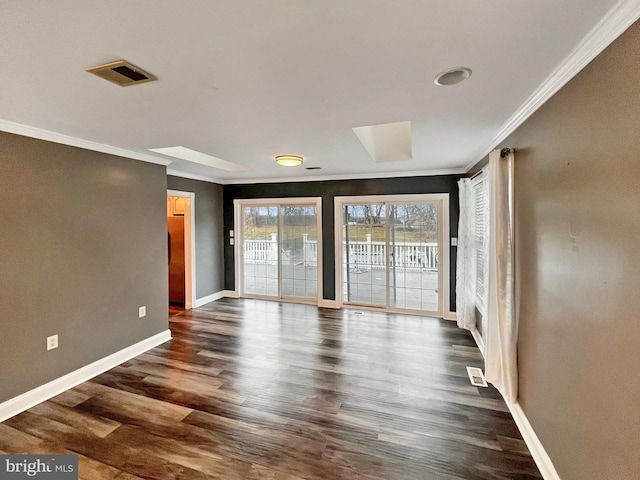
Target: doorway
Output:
[
  {"x": 181, "y": 249},
  {"x": 278, "y": 254},
  {"x": 390, "y": 252}
]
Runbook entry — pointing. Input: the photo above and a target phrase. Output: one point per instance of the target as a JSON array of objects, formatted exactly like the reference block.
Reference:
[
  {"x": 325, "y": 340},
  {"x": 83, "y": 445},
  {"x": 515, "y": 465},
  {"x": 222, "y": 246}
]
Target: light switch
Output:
[
  {"x": 231, "y": 233},
  {"x": 454, "y": 241},
  {"x": 231, "y": 241}
]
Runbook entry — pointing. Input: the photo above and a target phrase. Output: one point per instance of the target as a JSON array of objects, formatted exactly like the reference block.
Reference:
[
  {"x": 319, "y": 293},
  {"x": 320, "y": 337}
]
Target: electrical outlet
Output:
[
  {"x": 52, "y": 342},
  {"x": 142, "y": 311}
]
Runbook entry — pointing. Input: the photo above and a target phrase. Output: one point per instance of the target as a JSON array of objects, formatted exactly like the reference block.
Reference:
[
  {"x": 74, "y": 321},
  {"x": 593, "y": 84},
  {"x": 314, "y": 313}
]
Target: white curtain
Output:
[
  {"x": 502, "y": 329},
  {"x": 465, "y": 266}
]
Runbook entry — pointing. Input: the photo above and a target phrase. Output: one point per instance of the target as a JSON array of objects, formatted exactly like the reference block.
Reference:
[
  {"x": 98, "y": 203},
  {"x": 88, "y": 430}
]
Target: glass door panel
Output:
[
  {"x": 261, "y": 250},
  {"x": 299, "y": 251},
  {"x": 413, "y": 264},
  {"x": 364, "y": 265}
]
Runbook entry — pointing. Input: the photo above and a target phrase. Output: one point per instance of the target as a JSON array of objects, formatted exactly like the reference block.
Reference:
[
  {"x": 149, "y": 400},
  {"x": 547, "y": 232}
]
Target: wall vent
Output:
[
  {"x": 477, "y": 377},
  {"x": 122, "y": 73}
]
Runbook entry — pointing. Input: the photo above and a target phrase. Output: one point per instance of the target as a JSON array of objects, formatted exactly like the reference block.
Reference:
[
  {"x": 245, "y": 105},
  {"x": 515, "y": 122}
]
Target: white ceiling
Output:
[{"x": 246, "y": 80}]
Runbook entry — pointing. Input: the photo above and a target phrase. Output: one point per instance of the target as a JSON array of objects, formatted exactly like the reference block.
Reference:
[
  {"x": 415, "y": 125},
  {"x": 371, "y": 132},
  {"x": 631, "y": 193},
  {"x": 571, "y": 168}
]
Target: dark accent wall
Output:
[
  {"x": 83, "y": 245},
  {"x": 209, "y": 233},
  {"x": 328, "y": 190},
  {"x": 577, "y": 169}
]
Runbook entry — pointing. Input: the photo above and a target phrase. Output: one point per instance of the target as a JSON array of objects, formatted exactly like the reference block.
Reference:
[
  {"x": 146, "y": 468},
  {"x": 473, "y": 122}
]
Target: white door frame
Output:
[
  {"x": 238, "y": 205},
  {"x": 190, "y": 246},
  {"x": 443, "y": 240}
]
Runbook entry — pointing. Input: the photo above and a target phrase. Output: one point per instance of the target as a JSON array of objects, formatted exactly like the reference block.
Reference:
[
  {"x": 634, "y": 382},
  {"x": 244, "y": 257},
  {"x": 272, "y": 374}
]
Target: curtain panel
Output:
[
  {"x": 465, "y": 265},
  {"x": 501, "y": 367}
]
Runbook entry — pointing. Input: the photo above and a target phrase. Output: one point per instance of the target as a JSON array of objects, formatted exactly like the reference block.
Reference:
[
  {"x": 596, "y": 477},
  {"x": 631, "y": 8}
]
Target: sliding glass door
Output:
[
  {"x": 391, "y": 254},
  {"x": 279, "y": 249}
]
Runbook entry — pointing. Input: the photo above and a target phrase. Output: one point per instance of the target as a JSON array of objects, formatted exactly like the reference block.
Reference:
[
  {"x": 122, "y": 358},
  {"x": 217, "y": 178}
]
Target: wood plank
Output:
[{"x": 249, "y": 390}]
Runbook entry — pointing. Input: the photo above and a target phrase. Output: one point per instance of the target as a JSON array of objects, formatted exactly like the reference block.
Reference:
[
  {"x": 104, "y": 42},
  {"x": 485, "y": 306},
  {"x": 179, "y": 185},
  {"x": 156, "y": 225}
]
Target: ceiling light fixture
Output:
[
  {"x": 453, "y": 76},
  {"x": 289, "y": 160}
]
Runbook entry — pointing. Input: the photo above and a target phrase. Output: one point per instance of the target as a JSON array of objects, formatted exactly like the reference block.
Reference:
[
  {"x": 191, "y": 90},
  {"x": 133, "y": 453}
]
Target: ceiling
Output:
[{"x": 246, "y": 80}]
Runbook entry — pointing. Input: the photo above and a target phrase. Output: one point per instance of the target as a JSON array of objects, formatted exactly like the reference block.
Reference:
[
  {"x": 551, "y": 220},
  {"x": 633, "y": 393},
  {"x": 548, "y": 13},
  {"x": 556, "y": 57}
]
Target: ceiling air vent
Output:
[{"x": 122, "y": 73}]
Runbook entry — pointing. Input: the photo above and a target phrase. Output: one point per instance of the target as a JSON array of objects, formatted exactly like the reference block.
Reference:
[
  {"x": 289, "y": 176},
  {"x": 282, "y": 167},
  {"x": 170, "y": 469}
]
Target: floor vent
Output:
[
  {"x": 355, "y": 312},
  {"x": 476, "y": 376},
  {"x": 122, "y": 73}
]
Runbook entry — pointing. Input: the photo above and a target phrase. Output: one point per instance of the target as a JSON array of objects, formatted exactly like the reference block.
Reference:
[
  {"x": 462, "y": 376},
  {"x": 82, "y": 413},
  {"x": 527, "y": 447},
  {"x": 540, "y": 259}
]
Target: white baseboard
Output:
[
  {"x": 230, "y": 294},
  {"x": 479, "y": 340},
  {"x": 208, "y": 299},
  {"x": 539, "y": 454},
  {"x": 44, "y": 392},
  {"x": 323, "y": 303}
]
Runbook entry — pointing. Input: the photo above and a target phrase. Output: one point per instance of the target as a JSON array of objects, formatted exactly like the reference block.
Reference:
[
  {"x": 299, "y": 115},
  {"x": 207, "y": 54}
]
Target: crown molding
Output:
[
  {"x": 354, "y": 176},
  {"x": 194, "y": 176},
  {"x": 42, "y": 134},
  {"x": 610, "y": 27}
]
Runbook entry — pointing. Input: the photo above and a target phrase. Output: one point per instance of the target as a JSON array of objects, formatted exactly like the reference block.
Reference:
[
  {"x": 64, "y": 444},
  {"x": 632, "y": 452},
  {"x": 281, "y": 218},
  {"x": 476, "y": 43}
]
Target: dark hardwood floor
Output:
[{"x": 253, "y": 390}]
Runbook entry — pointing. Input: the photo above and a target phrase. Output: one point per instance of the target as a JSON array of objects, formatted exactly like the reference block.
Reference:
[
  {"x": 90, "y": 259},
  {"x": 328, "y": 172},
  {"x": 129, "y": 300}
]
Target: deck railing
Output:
[
  {"x": 418, "y": 255},
  {"x": 362, "y": 254}
]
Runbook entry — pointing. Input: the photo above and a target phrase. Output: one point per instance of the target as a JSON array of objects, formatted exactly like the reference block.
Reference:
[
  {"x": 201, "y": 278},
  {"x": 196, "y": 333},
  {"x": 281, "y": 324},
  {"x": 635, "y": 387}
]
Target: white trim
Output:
[
  {"x": 338, "y": 226},
  {"x": 448, "y": 315},
  {"x": 179, "y": 193},
  {"x": 539, "y": 454},
  {"x": 42, "y": 134},
  {"x": 194, "y": 176},
  {"x": 44, "y": 392},
  {"x": 209, "y": 298},
  {"x": 479, "y": 340},
  {"x": 348, "y": 176},
  {"x": 238, "y": 228},
  {"x": 610, "y": 27},
  {"x": 324, "y": 303},
  {"x": 230, "y": 294},
  {"x": 192, "y": 235},
  {"x": 295, "y": 300}
]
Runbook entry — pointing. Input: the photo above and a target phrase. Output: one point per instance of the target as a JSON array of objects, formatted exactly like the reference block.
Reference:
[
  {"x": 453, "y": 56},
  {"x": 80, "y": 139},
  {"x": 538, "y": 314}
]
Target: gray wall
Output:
[
  {"x": 84, "y": 245},
  {"x": 209, "y": 240},
  {"x": 328, "y": 190},
  {"x": 578, "y": 262}
]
